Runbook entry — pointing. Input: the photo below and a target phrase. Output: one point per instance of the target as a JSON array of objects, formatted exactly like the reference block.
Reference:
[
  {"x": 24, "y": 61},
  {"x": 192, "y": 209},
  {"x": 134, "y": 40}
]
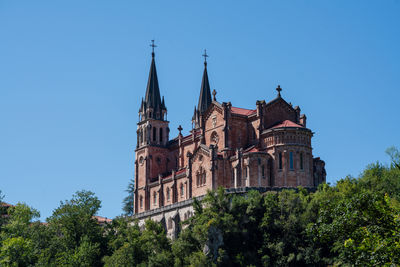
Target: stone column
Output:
[{"x": 235, "y": 177}]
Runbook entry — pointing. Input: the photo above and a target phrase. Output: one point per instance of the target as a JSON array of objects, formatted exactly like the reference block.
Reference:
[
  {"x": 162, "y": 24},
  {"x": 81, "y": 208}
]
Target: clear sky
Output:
[{"x": 72, "y": 74}]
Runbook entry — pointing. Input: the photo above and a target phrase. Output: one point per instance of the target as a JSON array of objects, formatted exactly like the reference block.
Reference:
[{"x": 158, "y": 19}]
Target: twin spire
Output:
[
  {"x": 205, "y": 95},
  {"x": 205, "y": 92},
  {"x": 153, "y": 107}
]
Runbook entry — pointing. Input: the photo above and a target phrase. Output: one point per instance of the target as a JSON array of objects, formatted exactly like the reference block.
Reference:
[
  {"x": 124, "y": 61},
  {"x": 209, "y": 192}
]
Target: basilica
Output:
[{"x": 268, "y": 148}]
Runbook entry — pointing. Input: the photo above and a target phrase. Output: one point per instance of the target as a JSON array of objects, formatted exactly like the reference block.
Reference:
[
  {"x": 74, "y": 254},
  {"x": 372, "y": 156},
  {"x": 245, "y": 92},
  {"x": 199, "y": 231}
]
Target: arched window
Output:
[
  {"x": 204, "y": 177},
  {"x": 270, "y": 175},
  {"x": 301, "y": 162},
  {"x": 161, "y": 135},
  {"x": 263, "y": 171},
  {"x": 168, "y": 194},
  {"x": 154, "y": 134},
  {"x": 291, "y": 160},
  {"x": 182, "y": 190},
  {"x": 198, "y": 179},
  {"x": 141, "y": 201},
  {"x": 214, "y": 138},
  {"x": 154, "y": 198}
]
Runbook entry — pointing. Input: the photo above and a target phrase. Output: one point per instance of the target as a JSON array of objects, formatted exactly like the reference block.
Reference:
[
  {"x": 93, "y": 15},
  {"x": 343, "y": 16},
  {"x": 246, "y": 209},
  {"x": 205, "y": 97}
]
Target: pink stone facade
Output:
[{"x": 268, "y": 146}]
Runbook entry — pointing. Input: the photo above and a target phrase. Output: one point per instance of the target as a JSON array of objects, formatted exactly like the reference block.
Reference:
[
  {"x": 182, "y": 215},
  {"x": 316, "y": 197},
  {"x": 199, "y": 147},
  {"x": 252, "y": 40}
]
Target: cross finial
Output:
[
  {"x": 214, "y": 93},
  {"x": 180, "y": 129},
  {"x": 205, "y": 57},
  {"x": 279, "y": 89},
  {"x": 152, "y": 47}
]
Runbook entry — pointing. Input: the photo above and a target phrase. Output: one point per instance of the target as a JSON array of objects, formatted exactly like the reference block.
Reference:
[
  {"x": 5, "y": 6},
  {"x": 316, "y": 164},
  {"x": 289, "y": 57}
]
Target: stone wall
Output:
[{"x": 172, "y": 216}]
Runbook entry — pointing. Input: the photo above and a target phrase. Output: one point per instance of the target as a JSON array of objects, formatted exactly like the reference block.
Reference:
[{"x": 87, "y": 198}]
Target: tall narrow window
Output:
[
  {"x": 263, "y": 171},
  {"x": 204, "y": 177},
  {"x": 280, "y": 161},
  {"x": 141, "y": 202},
  {"x": 270, "y": 174},
  {"x": 182, "y": 190},
  {"x": 168, "y": 194},
  {"x": 291, "y": 160},
  {"x": 161, "y": 135},
  {"x": 154, "y": 198},
  {"x": 301, "y": 161},
  {"x": 154, "y": 134}
]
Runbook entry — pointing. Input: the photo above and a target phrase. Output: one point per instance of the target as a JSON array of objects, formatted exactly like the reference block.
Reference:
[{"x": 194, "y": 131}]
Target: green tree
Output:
[
  {"x": 76, "y": 237},
  {"x": 133, "y": 247},
  {"x": 18, "y": 248},
  {"x": 20, "y": 219},
  {"x": 17, "y": 251},
  {"x": 128, "y": 202},
  {"x": 394, "y": 155},
  {"x": 3, "y": 211}
]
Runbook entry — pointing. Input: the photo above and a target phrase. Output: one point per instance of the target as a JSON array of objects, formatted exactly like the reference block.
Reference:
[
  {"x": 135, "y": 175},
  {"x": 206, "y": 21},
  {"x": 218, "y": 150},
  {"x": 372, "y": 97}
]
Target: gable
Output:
[{"x": 277, "y": 111}]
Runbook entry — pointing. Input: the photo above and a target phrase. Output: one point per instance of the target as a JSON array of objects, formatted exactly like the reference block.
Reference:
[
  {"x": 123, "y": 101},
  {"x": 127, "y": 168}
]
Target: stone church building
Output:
[{"x": 266, "y": 148}]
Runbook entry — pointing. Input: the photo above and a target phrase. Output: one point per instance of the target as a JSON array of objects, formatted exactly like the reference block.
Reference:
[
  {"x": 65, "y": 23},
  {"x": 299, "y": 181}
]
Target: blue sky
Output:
[{"x": 72, "y": 74}]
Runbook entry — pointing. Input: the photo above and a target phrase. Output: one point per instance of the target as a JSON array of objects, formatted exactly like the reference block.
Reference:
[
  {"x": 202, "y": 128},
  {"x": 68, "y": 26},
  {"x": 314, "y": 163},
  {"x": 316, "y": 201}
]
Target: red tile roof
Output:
[
  {"x": 243, "y": 111},
  {"x": 4, "y": 204},
  {"x": 102, "y": 219},
  {"x": 253, "y": 149},
  {"x": 287, "y": 123}
]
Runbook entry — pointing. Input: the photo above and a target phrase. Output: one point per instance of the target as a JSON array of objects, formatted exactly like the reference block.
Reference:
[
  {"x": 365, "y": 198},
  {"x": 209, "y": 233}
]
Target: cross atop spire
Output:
[
  {"x": 214, "y": 93},
  {"x": 279, "y": 89},
  {"x": 205, "y": 92},
  {"x": 205, "y": 56},
  {"x": 152, "y": 47},
  {"x": 153, "y": 106}
]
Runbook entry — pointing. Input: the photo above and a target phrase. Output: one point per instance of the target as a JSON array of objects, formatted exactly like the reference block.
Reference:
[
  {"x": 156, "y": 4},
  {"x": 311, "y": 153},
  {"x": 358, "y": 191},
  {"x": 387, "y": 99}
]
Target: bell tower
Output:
[
  {"x": 152, "y": 139},
  {"x": 153, "y": 124}
]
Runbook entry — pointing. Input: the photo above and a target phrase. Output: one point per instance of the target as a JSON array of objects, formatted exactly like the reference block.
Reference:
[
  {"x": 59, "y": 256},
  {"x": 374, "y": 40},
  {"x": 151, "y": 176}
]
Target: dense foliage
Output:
[
  {"x": 355, "y": 222},
  {"x": 128, "y": 201}
]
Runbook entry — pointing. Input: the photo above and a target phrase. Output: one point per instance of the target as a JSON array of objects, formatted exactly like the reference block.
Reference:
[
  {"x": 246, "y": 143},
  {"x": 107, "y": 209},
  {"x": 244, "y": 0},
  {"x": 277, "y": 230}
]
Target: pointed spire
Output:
[
  {"x": 205, "y": 93},
  {"x": 141, "y": 109},
  {"x": 152, "y": 99},
  {"x": 194, "y": 114},
  {"x": 163, "y": 103}
]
